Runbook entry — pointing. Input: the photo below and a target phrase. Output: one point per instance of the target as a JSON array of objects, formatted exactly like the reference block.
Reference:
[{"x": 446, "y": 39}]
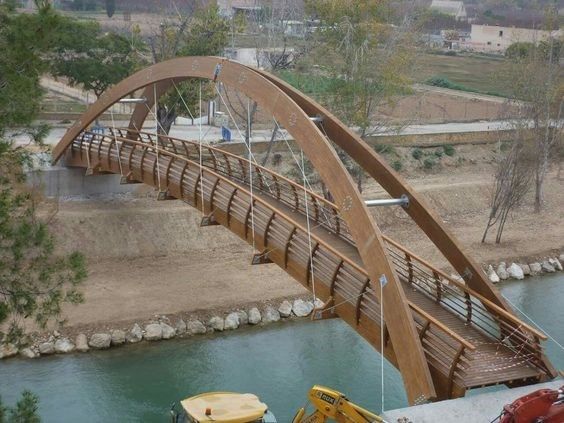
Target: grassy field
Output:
[{"x": 478, "y": 73}]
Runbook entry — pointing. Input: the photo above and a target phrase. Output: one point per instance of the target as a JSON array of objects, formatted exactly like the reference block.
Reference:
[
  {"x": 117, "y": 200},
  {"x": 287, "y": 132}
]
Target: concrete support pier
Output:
[{"x": 478, "y": 408}]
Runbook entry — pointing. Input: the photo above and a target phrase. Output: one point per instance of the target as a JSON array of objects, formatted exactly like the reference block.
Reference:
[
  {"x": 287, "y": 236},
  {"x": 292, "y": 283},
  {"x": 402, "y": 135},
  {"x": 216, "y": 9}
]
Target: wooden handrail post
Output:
[
  {"x": 453, "y": 366},
  {"x": 409, "y": 267},
  {"x": 439, "y": 286},
  {"x": 468, "y": 307}
]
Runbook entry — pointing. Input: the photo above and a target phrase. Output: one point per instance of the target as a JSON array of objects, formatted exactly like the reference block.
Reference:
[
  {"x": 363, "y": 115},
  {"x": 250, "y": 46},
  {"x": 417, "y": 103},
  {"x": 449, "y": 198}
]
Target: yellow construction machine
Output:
[{"x": 230, "y": 407}]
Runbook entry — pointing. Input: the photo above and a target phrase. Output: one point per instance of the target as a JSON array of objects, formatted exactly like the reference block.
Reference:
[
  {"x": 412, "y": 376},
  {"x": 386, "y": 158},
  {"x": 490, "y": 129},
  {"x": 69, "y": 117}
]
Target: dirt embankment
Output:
[{"x": 147, "y": 257}]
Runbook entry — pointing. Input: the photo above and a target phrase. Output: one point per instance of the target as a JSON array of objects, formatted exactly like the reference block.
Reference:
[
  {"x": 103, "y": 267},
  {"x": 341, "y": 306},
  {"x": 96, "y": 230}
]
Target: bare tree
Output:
[
  {"x": 535, "y": 80},
  {"x": 512, "y": 182}
]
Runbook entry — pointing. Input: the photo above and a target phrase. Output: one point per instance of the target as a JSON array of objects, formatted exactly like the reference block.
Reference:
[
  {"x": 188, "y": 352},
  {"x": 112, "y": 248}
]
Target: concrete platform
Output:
[{"x": 474, "y": 408}]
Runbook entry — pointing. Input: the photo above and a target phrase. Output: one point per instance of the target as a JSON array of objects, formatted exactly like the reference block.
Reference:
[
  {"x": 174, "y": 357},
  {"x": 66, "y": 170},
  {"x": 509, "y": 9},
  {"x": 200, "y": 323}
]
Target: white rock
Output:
[
  {"x": 547, "y": 267},
  {"x": 134, "y": 335},
  {"x": 231, "y": 321},
  {"x": 153, "y": 332},
  {"x": 47, "y": 348},
  {"x": 302, "y": 308},
  {"x": 56, "y": 333},
  {"x": 168, "y": 331},
  {"x": 216, "y": 323},
  {"x": 28, "y": 353},
  {"x": 285, "y": 309},
  {"x": 100, "y": 341},
  {"x": 318, "y": 304},
  {"x": 502, "y": 271},
  {"x": 180, "y": 327},
  {"x": 81, "y": 343},
  {"x": 254, "y": 316},
  {"x": 117, "y": 336},
  {"x": 270, "y": 315},
  {"x": 555, "y": 263},
  {"x": 536, "y": 268},
  {"x": 515, "y": 271},
  {"x": 195, "y": 327},
  {"x": 492, "y": 276},
  {"x": 63, "y": 346},
  {"x": 526, "y": 269},
  {"x": 243, "y": 317},
  {"x": 8, "y": 350}
]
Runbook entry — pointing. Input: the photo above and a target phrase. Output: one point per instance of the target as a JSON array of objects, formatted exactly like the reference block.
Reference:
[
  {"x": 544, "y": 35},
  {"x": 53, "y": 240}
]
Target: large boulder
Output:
[
  {"x": 153, "y": 332},
  {"x": 81, "y": 343},
  {"x": 302, "y": 308},
  {"x": 254, "y": 316},
  {"x": 555, "y": 263},
  {"x": 118, "y": 337},
  {"x": 502, "y": 271},
  {"x": 285, "y": 309},
  {"x": 547, "y": 267},
  {"x": 231, "y": 321},
  {"x": 134, "y": 335},
  {"x": 536, "y": 268},
  {"x": 515, "y": 271},
  {"x": 47, "y": 348},
  {"x": 270, "y": 315},
  {"x": 526, "y": 269},
  {"x": 216, "y": 323},
  {"x": 8, "y": 350},
  {"x": 180, "y": 327},
  {"x": 168, "y": 331},
  {"x": 243, "y": 317},
  {"x": 63, "y": 346},
  {"x": 492, "y": 276},
  {"x": 195, "y": 327},
  {"x": 28, "y": 353},
  {"x": 100, "y": 341}
]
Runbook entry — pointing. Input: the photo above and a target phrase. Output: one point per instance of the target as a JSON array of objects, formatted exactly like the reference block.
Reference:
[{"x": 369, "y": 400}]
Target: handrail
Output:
[
  {"x": 463, "y": 287},
  {"x": 317, "y": 239},
  {"x": 488, "y": 303}
]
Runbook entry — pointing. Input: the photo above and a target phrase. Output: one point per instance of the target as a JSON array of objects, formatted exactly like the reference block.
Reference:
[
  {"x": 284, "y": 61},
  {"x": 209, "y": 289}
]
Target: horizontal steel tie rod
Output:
[{"x": 402, "y": 201}]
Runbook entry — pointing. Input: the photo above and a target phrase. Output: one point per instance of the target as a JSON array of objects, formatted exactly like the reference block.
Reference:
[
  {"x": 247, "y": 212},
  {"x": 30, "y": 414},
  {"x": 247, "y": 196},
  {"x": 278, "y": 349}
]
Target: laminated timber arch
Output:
[{"x": 403, "y": 339}]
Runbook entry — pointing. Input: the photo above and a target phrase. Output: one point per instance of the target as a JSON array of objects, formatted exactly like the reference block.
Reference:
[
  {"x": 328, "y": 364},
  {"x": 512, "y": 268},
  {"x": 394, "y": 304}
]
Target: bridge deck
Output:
[{"x": 467, "y": 341}]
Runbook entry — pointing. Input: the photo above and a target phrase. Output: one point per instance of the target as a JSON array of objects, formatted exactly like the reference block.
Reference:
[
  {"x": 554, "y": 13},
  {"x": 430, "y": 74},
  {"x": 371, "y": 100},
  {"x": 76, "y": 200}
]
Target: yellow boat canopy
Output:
[{"x": 224, "y": 407}]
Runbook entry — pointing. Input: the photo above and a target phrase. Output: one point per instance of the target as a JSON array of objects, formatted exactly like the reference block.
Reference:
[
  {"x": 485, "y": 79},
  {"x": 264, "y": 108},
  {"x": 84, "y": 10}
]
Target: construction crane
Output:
[{"x": 331, "y": 405}]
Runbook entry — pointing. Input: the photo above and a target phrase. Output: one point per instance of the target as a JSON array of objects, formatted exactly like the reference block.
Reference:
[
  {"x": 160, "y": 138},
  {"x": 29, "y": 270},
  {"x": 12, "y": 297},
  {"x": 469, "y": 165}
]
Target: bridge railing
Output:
[
  {"x": 493, "y": 321},
  {"x": 277, "y": 186},
  {"x": 342, "y": 277},
  {"x": 502, "y": 327}
]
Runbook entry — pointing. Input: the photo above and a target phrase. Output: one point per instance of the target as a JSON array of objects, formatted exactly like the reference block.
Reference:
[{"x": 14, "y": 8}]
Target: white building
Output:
[
  {"x": 228, "y": 8},
  {"x": 496, "y": 39},
  {"x": 451, "y": 8}
]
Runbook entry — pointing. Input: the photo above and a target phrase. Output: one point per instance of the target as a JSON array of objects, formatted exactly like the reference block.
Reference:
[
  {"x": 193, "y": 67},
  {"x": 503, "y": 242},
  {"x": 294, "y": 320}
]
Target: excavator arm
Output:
[{"x": 331, "y": 405}]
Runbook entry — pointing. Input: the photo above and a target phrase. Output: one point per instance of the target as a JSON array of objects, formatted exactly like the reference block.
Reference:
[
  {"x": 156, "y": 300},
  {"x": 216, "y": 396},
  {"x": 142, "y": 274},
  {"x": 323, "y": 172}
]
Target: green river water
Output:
[{"x": 279, "y": 362}]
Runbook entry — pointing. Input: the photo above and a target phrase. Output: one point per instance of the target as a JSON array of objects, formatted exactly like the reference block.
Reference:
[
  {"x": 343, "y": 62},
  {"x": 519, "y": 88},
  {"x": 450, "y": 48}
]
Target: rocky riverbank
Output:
[
  {"x": 159, "y": 328},
  {"x": 520, "y": 270}
]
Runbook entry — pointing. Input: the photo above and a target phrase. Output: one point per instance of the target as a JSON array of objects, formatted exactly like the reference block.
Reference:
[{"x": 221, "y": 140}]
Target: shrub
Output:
[
  {"x": 397, "y": 165},
  {"x": 417, "y": 153},
  {"x": 384, "y": 148},
  {"x": 449, "y": 150},
  {"x": 429, "y": 163},
  {"x": 276, "y": 159},
  {"x": 438, "y": 153}
]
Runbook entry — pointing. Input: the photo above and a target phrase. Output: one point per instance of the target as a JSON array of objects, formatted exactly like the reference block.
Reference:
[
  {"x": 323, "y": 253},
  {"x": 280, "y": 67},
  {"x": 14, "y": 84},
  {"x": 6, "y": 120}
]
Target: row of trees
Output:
[{"x": 538, "y": 95}]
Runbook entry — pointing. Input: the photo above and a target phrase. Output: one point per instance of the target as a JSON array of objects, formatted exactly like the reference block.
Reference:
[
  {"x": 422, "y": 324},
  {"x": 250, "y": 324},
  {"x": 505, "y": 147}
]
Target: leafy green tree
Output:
[
  {"x": 368, "y": 60},
  {"x": 34, "y": 282},
  {"x": 203, "y": 34},
  {"x": 94, "y": 59},
  {"x": 25, "y": 410}
]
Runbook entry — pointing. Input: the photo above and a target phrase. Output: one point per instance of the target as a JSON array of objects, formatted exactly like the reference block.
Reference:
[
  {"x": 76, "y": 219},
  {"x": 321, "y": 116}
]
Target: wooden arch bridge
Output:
[{"x": 444, "y": 336}]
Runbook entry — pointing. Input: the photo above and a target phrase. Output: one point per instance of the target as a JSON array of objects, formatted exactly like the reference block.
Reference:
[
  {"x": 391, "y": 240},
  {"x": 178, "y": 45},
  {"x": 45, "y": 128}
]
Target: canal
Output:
[{"x": 279, "y": 362}]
